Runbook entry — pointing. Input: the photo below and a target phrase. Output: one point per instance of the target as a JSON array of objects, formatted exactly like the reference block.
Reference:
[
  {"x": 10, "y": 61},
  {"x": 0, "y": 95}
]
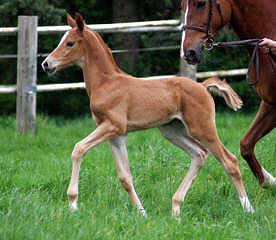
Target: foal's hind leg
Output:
[
  {"x": 119, "y": 151},
  {"x": 263, "y": 123},
  {"x": 231, "y": 167},
  {"x": 176, "y": 133},
  {"x": 211, "y": 141}
]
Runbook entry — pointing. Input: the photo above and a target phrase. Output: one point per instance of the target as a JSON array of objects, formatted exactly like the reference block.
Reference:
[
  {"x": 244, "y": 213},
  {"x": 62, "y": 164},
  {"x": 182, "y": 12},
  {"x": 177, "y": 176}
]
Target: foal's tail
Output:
[{"x": 222, "y": 88}]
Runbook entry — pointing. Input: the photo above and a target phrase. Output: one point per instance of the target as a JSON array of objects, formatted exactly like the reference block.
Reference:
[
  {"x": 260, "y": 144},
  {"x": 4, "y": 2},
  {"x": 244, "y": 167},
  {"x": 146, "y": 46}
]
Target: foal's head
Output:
[
  {"x": 70, "y": 50},
  {"x": 196, "y": 13}
]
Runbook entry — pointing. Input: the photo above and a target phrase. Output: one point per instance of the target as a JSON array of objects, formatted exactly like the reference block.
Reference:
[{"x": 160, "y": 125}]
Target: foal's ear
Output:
[
  {"x": 79, "y": 21},
  {"x": 70, "y": 21}
]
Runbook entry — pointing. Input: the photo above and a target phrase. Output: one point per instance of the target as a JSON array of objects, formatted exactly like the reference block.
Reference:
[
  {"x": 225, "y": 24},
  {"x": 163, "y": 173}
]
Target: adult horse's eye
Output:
[
  {"x": 70, "y": 44},
  {"x": 201, "y": 4}
]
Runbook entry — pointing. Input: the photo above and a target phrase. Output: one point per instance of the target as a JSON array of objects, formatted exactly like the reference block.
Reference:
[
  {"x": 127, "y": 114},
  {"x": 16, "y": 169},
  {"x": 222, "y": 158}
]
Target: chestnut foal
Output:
[{"x": 182, "y": 109}]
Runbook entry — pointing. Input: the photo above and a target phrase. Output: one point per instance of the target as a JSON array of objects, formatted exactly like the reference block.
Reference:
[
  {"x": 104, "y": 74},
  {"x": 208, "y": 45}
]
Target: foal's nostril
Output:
[
  {"x": 45, "y": 65},
  {"x": 48, "y": 68}
]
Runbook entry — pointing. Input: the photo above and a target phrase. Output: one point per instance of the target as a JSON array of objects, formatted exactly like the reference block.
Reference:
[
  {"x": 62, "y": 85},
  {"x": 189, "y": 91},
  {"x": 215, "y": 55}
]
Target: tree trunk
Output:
[{"x": 126, "y": 11}]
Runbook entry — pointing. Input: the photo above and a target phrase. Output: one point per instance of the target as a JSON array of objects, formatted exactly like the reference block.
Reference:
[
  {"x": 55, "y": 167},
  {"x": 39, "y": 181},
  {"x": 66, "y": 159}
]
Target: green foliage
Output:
[
  {"x": 35, "y": 173},
  {"x": 47, "y": 13},
  {"x": 160, "y": 62}
]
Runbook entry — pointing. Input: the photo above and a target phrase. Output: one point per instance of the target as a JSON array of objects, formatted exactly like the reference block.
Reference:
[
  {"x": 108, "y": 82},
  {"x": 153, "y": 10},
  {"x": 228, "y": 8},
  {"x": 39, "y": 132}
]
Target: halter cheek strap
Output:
[
  {"x": 210, "y": 43},
  {"x": 208, "y": 30}
]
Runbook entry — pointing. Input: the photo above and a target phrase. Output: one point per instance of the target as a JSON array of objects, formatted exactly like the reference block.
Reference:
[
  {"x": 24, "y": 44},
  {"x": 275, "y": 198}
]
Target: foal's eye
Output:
[
  {"x": 70, "y": 44},
  {"x": 201, "y": 4}
]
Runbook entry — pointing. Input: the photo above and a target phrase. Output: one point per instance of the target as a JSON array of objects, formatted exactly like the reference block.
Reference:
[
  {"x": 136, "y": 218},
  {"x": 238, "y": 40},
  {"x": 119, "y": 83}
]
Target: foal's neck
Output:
[{"x": 99, "y": 65}]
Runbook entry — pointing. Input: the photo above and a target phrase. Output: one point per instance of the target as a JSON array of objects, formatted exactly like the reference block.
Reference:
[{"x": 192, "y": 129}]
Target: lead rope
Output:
[
  {"x": 254, "y": 58},
  {"x": 272, "y": 59}
]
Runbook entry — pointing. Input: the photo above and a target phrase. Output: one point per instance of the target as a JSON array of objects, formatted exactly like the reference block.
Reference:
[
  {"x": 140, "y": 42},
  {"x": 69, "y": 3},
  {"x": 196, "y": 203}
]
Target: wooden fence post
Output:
[
  {"x": 185, "y": 69},
  {"x": 26, "y": 74}
]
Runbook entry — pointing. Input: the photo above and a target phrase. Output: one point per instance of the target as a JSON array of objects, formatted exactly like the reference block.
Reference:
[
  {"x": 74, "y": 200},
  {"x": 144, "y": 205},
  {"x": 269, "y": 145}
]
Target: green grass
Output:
[{"x": 35, "y": 172}]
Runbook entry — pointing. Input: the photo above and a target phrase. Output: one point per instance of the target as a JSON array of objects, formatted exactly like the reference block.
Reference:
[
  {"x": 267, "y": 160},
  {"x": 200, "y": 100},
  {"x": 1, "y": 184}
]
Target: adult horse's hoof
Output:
[{"x": 269, "y": 180}]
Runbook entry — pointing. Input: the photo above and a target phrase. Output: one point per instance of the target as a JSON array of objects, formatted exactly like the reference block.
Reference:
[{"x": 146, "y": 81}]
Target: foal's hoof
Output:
[
  {"x": 73, "y": 207},
  {"x": 143, "y": 212},
  {"x": 176, "y": 214},
  {"x": 176, "y": 218},
  {"x": 250, "y": 209},
  {"x": 246, "y": 205}
]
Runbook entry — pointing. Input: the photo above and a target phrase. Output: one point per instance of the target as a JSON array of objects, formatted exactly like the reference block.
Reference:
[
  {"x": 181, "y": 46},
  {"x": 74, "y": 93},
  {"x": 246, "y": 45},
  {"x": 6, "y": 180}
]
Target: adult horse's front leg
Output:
[
  {"x": 263, "y": 123},
  {"x": 102, "y": 133},
  {"x": 119, "y": 151}
]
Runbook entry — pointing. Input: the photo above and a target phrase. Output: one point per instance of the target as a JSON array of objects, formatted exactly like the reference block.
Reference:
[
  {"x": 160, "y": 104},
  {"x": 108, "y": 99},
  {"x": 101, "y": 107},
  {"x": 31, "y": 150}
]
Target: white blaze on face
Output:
[
  {"x": 184, "y": 31},
  {"x": 52, "y": 62},
  {"x": 63, "y": 38}
]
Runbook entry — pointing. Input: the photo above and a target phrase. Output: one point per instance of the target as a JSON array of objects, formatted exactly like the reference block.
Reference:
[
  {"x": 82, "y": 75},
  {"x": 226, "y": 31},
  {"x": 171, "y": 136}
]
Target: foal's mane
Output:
[{"x": 107, "y": 51}]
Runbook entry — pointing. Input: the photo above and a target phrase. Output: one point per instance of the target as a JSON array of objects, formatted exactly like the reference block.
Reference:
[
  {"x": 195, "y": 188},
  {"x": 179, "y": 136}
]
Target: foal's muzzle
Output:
[{"x": 47, "y": 67}]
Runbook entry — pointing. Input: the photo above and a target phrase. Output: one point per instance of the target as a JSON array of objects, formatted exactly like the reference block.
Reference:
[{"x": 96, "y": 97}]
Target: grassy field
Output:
[{"x": 35, "y": 172}]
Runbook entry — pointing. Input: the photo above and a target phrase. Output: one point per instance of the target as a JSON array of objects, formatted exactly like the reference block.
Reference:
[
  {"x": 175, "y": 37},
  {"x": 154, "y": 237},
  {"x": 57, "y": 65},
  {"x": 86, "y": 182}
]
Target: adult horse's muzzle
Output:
[{"x": 192, "y": 55}]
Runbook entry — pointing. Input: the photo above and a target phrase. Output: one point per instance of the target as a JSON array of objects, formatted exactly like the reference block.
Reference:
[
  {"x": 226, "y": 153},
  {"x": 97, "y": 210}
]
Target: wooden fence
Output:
[{"x": 26, "y": 88}]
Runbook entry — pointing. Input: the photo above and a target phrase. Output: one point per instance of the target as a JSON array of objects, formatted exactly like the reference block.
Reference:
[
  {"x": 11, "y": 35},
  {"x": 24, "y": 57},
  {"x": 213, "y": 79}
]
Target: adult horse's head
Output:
[
  {"x": 202, "y": 20},
  {"x": 69, "y": 51}
]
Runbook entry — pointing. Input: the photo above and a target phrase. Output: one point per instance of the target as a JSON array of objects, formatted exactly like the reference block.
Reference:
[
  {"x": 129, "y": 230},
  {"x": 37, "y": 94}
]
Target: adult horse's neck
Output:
[
  {"x": 254, "y": 18},
  {"x": 99, "y": 65}
]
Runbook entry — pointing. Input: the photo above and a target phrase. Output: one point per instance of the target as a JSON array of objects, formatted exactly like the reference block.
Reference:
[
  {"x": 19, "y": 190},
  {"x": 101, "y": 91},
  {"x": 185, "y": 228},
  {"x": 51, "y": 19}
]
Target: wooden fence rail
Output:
[
  {"x": 81, "y": 85},
  {"x": 132, "y": 27}
]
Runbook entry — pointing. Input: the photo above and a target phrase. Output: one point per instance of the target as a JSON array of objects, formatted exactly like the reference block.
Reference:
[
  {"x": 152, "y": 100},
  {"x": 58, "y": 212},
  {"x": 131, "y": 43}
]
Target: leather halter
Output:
[
  {"x": 208, "y": 30},
  {"x": 210, "y": 42}
]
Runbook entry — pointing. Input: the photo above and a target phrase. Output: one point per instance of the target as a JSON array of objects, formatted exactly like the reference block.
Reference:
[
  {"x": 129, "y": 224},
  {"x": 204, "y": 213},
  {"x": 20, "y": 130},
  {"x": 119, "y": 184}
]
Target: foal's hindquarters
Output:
[
  {"x": 191, "y": 126},
  {"x": 195, "y": 132}
]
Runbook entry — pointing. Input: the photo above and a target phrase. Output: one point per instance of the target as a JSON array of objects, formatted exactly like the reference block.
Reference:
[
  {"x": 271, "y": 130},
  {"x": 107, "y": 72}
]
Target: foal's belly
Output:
[
  {"x": 142, "y": 124},
  {"x": 147, "y": 115}
]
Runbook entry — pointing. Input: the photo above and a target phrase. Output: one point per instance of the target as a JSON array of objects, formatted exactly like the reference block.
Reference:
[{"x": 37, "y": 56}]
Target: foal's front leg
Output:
[
  {"x": 119, "y": 151},
  {"x": 102, "y": 133}
]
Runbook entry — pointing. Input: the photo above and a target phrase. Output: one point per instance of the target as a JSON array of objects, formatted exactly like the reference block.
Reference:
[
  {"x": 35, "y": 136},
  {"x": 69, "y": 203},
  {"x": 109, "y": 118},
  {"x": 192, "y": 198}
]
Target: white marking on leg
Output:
[
  {"x": 184, "y": 31},
  {"x": 269, "y": 180},
  {"x": 246, "y": 205},
  {"x": 73, "y": 206}
]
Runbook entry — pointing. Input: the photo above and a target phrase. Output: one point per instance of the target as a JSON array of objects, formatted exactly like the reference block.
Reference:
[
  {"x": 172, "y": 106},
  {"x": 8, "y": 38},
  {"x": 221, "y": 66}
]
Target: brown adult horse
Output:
[
  {"x": 251, "y": 19},
  {"x": 181, "y": 108}
]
